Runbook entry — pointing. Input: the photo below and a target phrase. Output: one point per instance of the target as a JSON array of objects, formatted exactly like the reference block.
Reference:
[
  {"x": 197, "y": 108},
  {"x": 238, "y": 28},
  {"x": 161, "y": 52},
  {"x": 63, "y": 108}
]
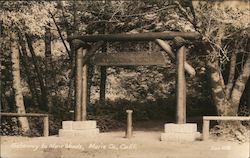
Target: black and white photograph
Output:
[{"x": 124, "y": 79}]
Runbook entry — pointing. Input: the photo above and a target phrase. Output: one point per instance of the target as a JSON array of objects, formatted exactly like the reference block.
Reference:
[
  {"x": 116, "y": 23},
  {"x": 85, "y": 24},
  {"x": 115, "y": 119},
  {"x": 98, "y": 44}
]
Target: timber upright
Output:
[
  {"x": 181, "y": 131},
  {"x": 81, "y": 126}
]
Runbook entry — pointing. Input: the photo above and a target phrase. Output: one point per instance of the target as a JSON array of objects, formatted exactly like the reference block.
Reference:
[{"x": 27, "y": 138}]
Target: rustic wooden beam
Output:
[
  {"x": 128, "y": 59},
  {"x": 84, "y": 89},
  {"x": 136, "y": 37},
  {"x": 45, "y": 119},
  {"x": 181, "y": 82},
  {"x": 167, "y": 48},
  {"x": 207, "y": 119},
  {"x": 78, "y": 84},
  {"x": 227, "y": 118},
  {"x": 23, "y": 115}
]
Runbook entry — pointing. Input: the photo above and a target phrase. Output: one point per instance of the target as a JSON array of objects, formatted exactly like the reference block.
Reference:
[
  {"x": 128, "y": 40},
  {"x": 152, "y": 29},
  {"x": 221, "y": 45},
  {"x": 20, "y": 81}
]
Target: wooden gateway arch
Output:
[{"x": 85, "y": 53}]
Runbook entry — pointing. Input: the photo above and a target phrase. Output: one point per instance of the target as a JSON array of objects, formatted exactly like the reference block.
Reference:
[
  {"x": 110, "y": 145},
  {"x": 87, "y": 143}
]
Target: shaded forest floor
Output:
[{"x": 145, "y": 143}]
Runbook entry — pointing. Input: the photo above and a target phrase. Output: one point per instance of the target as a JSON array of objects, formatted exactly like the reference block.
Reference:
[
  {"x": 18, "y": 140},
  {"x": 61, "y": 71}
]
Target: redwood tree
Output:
[
  {"x": 225, "y": 36},
  {"x": 17, "y": 81}
]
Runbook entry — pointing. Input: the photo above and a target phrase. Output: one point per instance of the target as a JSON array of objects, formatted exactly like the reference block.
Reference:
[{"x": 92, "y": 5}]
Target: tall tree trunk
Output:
[
  {"x": 27, "y": 70},
  {"x": 44, "y": 100},
  {"x": 17, "y": 83},
  {"x": 31, "y": 83},
  {"x": 227, "y": 106},
  {"x": 239, "y": 86},
  {"x": 218, "y": 92},
  {"x": 49, "y": 70}
]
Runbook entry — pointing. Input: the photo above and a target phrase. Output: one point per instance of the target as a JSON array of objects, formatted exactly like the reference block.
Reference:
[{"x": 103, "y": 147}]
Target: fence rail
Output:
[
  {"x": 207, "y": 119},
  {"x": 45, "y": 119}
]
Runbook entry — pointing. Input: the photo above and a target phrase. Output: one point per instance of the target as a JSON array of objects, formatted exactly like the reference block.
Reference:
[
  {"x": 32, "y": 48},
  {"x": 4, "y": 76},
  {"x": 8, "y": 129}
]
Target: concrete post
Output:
[{"x": 129, "y": 124}]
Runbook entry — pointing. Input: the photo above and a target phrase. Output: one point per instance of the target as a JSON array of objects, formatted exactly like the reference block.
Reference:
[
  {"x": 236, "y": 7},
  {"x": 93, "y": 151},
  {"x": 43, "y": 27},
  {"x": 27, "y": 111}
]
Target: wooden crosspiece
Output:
[
  {"x": 45, "y": 119},
  {"x": 207, "y": 119}
]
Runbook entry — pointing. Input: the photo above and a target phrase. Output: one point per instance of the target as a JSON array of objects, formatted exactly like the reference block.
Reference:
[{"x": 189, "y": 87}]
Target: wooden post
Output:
[
  {"x": 205, "y": 129},
  {"x": 103, "y": 85},
  {"x": 46, "y": 126},
  {"x": 78, "y": 84},
  {"x": 84, "y": 89},
  {"x": 181, "y": 95},
  {"x": 185, "y": 90},
  {"x": 129, "y": 124},
  {"x": 103, "y": 69},
  {"x": 248, "y": 93}
]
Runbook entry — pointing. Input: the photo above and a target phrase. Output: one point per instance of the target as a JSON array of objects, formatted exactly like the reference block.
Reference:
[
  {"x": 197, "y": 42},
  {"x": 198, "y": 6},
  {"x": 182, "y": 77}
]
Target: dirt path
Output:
[{"x": 113, "y": 145}]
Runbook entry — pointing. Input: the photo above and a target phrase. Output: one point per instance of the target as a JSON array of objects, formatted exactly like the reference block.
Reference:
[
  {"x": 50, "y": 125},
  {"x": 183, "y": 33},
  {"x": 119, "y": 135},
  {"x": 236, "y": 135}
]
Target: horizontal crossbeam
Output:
[
  {"x": 23, "y": 115},
  {"x": 137, "y": 37},
  {"x": 128, "y": 59},
  {"x": 227, "y": 118}
]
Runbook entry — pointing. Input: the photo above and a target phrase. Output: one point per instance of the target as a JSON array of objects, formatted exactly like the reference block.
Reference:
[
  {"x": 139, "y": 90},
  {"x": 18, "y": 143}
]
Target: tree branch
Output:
[
  {"x": 60, "y": 34},
  {"x": 222, "y": 80},
  {"x": 184, "y": 12}
]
